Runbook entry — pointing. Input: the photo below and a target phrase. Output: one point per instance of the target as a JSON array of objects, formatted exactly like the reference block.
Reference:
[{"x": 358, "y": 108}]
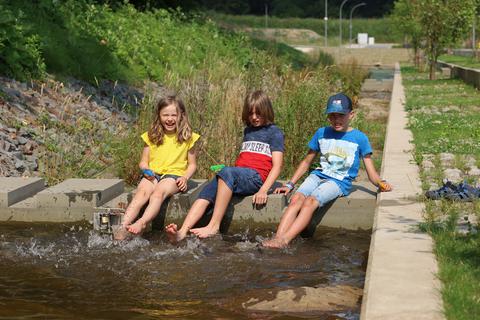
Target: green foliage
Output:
[
  {"x": 406, "y": 22},
  {"x": 441, "y": 28},
  {"x": 20, "y": 55}
]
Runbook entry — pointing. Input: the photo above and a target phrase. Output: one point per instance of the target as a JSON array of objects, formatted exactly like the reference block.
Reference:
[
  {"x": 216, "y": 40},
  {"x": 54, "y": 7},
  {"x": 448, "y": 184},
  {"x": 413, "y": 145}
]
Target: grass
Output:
[
  {"x": 469, "y": 62},
  {"x": 444, "y": 119}
]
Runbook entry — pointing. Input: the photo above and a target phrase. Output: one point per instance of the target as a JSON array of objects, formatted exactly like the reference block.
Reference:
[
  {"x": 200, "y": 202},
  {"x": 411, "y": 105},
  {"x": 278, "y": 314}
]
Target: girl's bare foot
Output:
[
  {"x": 120, "y": 232},
  {"x": 275, "y": 243},
  {"x": 173, "y": 235},
  {"x": 204, "y": 232},
  {"x": 137, "y": 228}
]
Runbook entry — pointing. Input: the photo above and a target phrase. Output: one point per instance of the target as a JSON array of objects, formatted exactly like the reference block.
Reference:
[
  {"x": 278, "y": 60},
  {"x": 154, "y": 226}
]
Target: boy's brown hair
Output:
[
  {"x": 259, "y": 101},
  {"x": 184, "y": 130}
]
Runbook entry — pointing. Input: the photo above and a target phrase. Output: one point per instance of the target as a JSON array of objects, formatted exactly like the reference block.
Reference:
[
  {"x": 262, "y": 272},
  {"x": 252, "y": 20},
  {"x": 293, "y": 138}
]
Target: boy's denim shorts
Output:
[
  {"x": 324, "y": 190},
  {"x": 242, "y": 181}
]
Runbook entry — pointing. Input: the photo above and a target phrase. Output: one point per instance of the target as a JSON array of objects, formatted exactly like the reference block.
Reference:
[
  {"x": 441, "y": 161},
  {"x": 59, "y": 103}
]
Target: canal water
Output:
[{"x": 67, "y": 271}]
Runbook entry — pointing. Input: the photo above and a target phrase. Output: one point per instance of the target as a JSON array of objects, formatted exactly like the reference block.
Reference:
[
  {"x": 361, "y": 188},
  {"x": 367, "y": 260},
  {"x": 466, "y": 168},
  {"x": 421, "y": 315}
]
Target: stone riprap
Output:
[{"x": 77, "y": 199}]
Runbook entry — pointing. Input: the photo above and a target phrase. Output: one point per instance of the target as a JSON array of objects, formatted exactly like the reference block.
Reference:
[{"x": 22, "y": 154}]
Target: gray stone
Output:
[
  {"x": 427, "y": 164},
  {"x": 474, "y": 171},
  {"x": 19, "y": 164},
  {"x": 18, "y": 155},
  {"x": 454, "y": 175},
  {"x": 447, "y": 159},
  {"x": 22, "y": 140},
  {"x": 470, "y": 160}
]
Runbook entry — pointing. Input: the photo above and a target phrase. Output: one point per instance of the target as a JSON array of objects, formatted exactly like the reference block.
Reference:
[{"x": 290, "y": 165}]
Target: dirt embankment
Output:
[{"x": 39, "y": 119}]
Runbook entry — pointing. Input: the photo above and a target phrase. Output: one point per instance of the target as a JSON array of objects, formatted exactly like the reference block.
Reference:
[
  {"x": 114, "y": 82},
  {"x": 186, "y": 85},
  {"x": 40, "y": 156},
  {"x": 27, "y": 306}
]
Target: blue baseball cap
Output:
[{"x": 339, "y": 103}]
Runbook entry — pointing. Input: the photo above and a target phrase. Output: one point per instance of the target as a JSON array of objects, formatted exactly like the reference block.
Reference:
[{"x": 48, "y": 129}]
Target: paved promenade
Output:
[{"x": 401, "y": 281}]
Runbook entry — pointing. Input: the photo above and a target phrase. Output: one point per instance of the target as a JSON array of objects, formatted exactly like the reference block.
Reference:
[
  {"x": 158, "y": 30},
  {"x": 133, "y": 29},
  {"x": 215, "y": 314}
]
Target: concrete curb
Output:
[{"x": 401, "y": 278}]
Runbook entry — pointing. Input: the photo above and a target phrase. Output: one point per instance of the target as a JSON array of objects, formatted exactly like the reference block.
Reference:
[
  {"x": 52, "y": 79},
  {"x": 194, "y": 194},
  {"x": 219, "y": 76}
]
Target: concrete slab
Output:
[
  {"x": 15, "y": 189},
  {"x": 81, "y": 193}
]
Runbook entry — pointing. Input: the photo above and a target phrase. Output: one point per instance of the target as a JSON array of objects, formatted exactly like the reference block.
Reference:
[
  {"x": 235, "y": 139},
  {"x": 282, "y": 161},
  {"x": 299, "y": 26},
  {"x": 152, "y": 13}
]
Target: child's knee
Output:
[
  {"x": 311, "y": 202},
  {"x": 297, "y": 199},
  {"x": 158, "y": 194}
]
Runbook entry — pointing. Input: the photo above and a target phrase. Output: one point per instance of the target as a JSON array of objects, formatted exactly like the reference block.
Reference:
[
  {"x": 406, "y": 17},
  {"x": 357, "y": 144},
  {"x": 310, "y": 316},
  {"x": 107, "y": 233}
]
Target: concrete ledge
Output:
[
  {"x": 353, "y": 212},
  {"x": 13, "y": 189},
  {"x": 80, "y": 193},
  {"x": 468, "y": 75},
  {"x": 78, "y": 199}
]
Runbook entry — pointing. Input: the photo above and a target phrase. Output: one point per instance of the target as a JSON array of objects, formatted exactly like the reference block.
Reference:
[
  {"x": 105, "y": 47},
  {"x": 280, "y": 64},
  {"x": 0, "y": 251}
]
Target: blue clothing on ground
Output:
[
  {"x": 340, "y": 154},
  {"x": 242, "y": 181}
]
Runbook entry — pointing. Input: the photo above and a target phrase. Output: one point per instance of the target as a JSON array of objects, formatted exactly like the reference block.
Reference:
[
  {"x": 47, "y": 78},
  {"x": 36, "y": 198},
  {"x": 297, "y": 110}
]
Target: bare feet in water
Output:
[
  {"x": 204, "y": 232},
  {"x": 137, "y": 228},
  {"x": 173, "y": 234},
  {"x": 120, "y": 232},
  {"x": 277, "y": 243}
]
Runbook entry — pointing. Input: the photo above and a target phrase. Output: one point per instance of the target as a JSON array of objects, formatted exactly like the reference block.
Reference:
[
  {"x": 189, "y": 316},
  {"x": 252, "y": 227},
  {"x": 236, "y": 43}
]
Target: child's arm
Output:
[
  {"x": 191, "y": 168},
  {"x": 299, "y": 172},
  {"x": 143, "y": 165},
  {"x": 373, "y": 175},
  {"x": 277, "y": 162}
]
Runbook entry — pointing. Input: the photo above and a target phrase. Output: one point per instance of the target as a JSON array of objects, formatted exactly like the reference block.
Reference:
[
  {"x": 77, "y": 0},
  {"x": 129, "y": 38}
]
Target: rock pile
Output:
[{"x": 41, "y": 119}]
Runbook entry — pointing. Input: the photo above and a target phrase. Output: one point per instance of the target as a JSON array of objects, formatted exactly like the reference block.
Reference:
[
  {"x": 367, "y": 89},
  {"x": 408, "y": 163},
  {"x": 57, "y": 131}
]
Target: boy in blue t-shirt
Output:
[{"x": 340, "y": 148}]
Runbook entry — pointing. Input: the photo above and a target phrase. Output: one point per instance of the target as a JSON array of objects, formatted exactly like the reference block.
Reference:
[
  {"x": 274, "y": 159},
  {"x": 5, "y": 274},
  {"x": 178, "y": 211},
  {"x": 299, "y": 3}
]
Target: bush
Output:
[{"x": 20, "y": 55}]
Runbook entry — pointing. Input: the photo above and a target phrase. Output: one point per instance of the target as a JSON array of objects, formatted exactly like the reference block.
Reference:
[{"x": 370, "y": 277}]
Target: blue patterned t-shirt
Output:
[{"x": 340, "y": 154}]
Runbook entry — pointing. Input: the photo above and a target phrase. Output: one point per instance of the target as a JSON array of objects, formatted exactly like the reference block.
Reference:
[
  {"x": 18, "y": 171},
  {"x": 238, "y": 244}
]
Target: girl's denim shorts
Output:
[
  {"x": 324, "y": 190},
  {"x": 242, "y": 181}
]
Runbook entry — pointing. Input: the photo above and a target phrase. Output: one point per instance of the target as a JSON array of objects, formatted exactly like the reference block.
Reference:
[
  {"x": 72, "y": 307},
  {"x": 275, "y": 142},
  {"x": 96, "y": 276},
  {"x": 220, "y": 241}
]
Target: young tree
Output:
[
  {"x": 444, "y": 22},
  {"x": 406, "y": 21}
]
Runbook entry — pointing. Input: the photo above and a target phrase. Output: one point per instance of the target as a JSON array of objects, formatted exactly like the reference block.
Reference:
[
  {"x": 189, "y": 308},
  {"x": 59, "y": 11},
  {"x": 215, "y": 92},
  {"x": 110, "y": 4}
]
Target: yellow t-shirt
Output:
[{"x": 170, "y": 157}]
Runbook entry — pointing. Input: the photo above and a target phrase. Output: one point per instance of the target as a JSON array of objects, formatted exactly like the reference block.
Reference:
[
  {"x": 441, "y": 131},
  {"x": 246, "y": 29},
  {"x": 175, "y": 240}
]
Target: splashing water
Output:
[{"x": 59, "y": 271}]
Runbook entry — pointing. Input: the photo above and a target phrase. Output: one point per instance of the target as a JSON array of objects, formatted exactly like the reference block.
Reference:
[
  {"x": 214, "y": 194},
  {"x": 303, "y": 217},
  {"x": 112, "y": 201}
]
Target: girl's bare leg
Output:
[
  {"x": 299, "y": 223},
  {"x": 163, "y": 189},
  {"x": 224, "y": 195},
  {"x": 144, "y": 190},
  {"x": 194, "y": 215}
]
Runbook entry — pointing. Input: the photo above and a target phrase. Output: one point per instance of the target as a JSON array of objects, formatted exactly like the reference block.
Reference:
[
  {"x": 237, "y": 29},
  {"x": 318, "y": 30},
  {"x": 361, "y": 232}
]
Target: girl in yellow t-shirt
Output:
[{"x": 168, "y": 160}]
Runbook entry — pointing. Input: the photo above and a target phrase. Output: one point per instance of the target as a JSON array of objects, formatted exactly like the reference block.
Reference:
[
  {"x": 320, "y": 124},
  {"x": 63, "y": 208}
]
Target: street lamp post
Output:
[
  {"x": 351, "y": 13},
  {"x": 266, "y": 15},
  {"x": 326, "y": 23},
  {"x": 341, "y": 6}
]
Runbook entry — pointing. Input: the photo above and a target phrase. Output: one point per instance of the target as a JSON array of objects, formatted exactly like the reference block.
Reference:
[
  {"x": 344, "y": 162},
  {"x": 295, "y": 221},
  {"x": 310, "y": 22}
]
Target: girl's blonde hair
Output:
[
  {"x": 184, "y": 130},
  {"x": 259, "y": 101}
]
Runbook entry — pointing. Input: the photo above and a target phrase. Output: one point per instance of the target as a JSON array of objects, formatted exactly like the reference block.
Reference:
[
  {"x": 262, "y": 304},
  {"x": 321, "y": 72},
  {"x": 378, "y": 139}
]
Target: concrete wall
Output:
[{"x": 468, "y": 75}]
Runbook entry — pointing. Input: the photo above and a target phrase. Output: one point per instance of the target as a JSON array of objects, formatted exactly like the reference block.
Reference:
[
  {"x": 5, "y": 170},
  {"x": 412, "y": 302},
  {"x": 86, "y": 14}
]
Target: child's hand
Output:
[
  {"x": 148, "y": 174},
  {"x": 182, "y": 183},
  {"x": 286, "y": 188},
  {"x": 260, "y": 197},
  {"x": 283, "y": 189},
  {"x": 384, "y": 186}
]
